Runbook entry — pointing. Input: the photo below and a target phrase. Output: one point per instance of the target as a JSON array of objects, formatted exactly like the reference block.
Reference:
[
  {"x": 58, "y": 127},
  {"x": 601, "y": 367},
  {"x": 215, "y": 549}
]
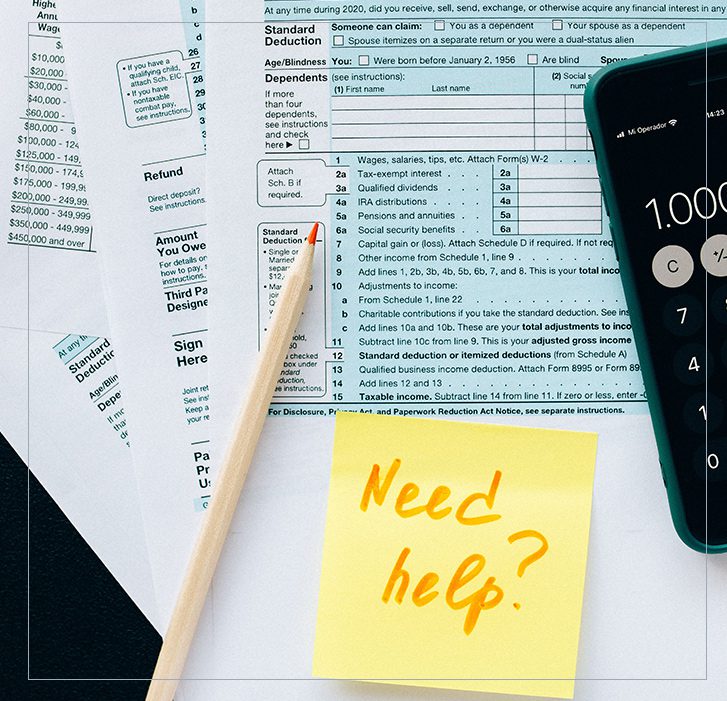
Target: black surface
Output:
[{"x": 64, "y": 616}]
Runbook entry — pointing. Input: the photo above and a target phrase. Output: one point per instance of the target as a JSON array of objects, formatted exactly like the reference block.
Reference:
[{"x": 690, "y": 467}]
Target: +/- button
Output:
[{"x": 714, "y": 255}]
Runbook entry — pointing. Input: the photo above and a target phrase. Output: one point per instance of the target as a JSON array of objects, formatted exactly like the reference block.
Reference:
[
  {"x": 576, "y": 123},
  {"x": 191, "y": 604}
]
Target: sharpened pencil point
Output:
[{"x": 313, "y": 234}]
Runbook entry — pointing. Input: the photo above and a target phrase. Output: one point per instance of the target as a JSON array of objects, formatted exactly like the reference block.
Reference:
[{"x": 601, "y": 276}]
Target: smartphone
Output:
[{"x": 659, "y": 129}]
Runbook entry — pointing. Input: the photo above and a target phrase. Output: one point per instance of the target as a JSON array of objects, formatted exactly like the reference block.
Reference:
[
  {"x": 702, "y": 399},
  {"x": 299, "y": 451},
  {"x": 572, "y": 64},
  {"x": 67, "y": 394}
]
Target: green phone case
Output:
[{"x": 590, "y": 99}]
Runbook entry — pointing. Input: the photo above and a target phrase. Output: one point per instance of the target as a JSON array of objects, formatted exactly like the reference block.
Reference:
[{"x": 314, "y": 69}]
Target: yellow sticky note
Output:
[{"x": 455, "y": 555}]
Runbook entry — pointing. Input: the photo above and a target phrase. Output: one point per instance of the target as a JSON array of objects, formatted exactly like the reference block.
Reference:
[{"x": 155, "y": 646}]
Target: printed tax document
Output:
[
  {"x": 47, "y": 238},
  {"x": 61, "y": 406},
  {"x": 468, "y": 273},
  {"x": 137, "y": 105},
  {"x": 76, "y": 455}
]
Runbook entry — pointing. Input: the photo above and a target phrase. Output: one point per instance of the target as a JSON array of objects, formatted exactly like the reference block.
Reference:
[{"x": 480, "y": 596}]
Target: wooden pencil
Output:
[{"x": 231, "y": 477}]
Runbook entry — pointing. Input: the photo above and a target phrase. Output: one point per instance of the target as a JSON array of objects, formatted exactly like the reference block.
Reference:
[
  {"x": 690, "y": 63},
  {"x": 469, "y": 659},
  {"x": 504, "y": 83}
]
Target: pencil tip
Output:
[{"x": 313, "y": 234}]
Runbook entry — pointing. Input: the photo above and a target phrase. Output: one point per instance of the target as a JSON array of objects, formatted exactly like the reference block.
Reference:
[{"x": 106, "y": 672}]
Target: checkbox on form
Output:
[
  {"x": 532, "y": 59},
  {"x": 439, "y": 25},
  {"x": 303, "y": 144},
  {"x": 363, "y": 60},
  {"x": 557, "y": 24},
  {"x": 338, "y": 40}
]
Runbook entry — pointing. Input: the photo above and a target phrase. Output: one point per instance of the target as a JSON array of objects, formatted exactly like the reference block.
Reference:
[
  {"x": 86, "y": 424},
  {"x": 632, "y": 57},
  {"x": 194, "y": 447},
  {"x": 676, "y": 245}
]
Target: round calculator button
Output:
[
  {"x": 710, "y": 460},
  {"x": 718, "y": 304},
  {"x": 703, "y": 411},
  {"x": 715, "y": 412},
  {"x": 683, "y": 315},
  {"x": 672, "y": 266},
  {"x": 692, "y": 364},
  {"x": 714, "y": 255}
]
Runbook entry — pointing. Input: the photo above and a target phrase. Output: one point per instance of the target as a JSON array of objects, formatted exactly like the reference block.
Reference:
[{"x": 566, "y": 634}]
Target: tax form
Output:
[
  {"x": 467, "y": 273},
  {"x": 140, "y": 109},
  {"x": 45, "y": 210},
  {"x": 61, "y": 406},
  {"x": 461, "y": 209}
]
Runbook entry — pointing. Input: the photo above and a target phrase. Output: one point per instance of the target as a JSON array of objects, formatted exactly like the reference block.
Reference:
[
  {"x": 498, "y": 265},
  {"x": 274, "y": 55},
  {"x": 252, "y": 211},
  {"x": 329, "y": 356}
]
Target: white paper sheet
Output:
[
  {"x": 61, "y": 406},
  {"x": 79, "y": 457},
  {"x": 137, "y": 102},
  {"x": 49, "y": 260}
]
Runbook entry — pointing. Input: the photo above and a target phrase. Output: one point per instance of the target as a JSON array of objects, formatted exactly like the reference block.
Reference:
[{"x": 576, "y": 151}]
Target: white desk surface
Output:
[{"x": 654, "y": 617}]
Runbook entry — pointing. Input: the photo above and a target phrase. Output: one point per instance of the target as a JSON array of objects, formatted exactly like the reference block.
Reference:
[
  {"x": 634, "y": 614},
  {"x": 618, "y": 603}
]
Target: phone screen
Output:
[{"x": 665, "y": 132}]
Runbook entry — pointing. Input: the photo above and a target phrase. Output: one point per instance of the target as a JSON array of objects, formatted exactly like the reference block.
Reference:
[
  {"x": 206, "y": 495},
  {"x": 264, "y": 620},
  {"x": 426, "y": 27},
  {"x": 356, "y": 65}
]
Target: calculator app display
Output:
[{"x": 666, "y": 148}]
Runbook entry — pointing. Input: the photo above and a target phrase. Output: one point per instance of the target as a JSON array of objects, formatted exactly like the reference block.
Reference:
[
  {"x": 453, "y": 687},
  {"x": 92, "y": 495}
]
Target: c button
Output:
[{"x": 672, "y": 266}]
